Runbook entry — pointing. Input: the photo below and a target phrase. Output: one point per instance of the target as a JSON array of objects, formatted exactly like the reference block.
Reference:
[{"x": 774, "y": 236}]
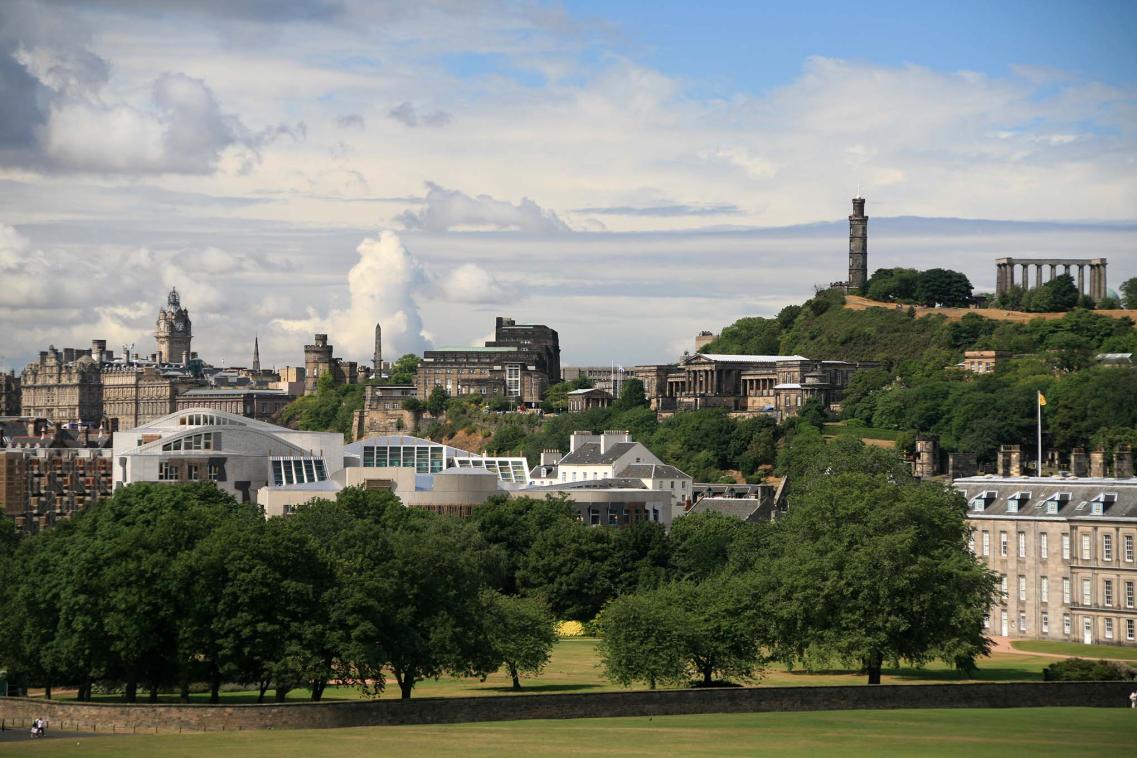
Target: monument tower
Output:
[
  {"x": 257, "y": 353},
  {"x": 174, "y": 331},
  {"x": 377, "y": 358},
  {"x": 858, "y": 246}
]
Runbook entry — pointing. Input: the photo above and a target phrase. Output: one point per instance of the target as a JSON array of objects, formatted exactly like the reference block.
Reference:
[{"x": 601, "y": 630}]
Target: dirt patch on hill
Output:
[
  {"x": 857, "y": 303},
  {"x": 475, "y": 442}
]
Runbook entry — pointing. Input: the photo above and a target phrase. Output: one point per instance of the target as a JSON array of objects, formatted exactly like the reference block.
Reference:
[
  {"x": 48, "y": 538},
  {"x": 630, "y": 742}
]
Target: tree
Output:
[
  {"x": 943, "y": 287},
  {"x": 641, "y": 640},
  {"x": 701, "y": 543},
  {"x": 893, "y": 284},
  {"x": 631, "y": 396},
  {"x": 436, "y": 403},
  {"x": 1128, "y": 290},
  {"x": 570, "y": 567},
  {"x": 870, "y": 566},
  {"x": 512, "y": 525},
  {"x": 749, "y": 336},
  {"x": 1059, "y": 294},
  {"x": 404, "y": 370},
  {"x": 521, "y": 632}
]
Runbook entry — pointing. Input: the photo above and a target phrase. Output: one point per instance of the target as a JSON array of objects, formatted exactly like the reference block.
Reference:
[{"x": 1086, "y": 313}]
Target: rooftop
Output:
[
  {"x": 589, "y": 453},
  {"x": 719, "y": 357}
]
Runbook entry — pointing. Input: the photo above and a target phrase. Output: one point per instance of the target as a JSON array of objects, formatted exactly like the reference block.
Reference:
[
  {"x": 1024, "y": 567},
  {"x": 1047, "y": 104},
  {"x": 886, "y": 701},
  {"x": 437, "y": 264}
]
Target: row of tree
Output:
[{"x": 932, "y": 288}]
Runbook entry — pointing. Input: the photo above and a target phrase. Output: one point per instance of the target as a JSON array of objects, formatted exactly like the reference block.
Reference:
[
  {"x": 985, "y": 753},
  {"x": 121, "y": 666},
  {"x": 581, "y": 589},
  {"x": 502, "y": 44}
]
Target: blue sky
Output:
[{"x": 629, "y": 173}]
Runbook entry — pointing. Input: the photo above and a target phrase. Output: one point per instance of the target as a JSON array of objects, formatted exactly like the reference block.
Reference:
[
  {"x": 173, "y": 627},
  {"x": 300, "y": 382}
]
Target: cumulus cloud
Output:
[
  {"x": 470, "y": 283},
  {"x": 351, "y": 121},
  {"x": 406, "y": 114},
  {"x": 447, "y": 210},
  {"x": 381, "y": 289}
]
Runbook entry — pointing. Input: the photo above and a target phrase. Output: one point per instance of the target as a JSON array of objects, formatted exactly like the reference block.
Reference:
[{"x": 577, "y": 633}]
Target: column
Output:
[
  {"x": 1053, "y": 272},
  {"x": 1026, "y": 276},
  {"x": 1081, "y": 279},
  {"x": 1001, "y": 279},
  {"x": 1094, "y": 281},
  {"x": 1038, "y": 275}
]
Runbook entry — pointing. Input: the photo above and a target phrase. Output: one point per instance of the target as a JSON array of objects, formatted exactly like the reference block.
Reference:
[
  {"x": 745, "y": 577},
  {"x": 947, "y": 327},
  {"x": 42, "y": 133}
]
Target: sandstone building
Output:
[
  {"x": 9, "y": 394},
  {"x": 320, "y": 360},
  {"x": 383, "y": 411},
  {"x": 174, "y": 331},
  {"x": 63, "y": 386}
]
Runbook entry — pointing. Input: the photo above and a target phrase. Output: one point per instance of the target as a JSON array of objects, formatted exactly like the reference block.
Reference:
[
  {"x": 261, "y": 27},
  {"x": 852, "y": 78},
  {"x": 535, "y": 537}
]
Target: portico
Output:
[{"x": 1005, "y": 274}]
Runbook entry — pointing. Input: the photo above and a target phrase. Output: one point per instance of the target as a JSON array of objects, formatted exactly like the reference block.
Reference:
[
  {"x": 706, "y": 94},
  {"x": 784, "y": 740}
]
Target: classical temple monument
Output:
[{"x": 1005, "y": 273}]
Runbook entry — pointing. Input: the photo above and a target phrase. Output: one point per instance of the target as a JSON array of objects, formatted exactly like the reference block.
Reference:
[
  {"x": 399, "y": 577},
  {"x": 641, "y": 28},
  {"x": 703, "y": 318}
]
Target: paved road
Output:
[{"x": 24, "y": 735}]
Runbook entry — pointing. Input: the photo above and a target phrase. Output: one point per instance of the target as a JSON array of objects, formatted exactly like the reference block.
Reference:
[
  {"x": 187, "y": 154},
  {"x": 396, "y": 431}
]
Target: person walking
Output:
[{"x": 1133, "y": 699}]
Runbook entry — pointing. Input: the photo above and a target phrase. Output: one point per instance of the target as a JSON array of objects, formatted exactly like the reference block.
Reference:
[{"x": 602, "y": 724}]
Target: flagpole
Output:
[{"x": 1038, "y": 400}]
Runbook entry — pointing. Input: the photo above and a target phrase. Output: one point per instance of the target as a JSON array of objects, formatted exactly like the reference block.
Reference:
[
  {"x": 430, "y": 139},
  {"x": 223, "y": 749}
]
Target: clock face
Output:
[{"x": 179, "y": 326}]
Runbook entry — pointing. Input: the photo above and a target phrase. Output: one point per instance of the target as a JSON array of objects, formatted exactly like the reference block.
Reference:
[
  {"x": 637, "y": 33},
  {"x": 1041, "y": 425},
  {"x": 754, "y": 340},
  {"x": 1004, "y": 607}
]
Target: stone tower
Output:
[
  {"x": 257, "y": 353},
  {"x": 377, "y": 359},
  {"x": 317, "y": 362},
  {"x": 858, "y": 246},
  {"x": 174, "y": 331}
]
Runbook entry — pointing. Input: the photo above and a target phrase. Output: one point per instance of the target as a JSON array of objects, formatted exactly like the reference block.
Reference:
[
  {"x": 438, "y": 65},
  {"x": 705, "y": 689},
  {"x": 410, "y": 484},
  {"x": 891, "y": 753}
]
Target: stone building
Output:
[
  {"x": 587, "y": 399},
  {"x": 1064, "y": 549},
  {"x": 383, "y": 411},
  {"x": 134, "y": 395},
  {"x": 319, "y": 359},
  {"x": 858, "y": 249},
  {"x": 1097, "y": 288},
  {"x": 63, "y": 386},
  {"x": 254, "y": 403},
  {"x": 777, "y": 385},
  {"x": 984, "y": 361},
  {"x": 9, "y": 394},
  {"x": 174, "y": 331},
  {"x": 519, "y": 363}
]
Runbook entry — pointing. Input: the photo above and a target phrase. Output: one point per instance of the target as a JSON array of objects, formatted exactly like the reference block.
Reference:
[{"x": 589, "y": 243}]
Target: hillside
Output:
[{"x": 857, "y": 303}]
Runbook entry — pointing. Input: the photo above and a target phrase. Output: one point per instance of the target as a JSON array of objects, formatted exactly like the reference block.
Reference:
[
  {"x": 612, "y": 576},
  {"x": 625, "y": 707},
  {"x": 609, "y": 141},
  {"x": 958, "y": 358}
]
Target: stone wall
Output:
[{"x": 100, "y": 717}]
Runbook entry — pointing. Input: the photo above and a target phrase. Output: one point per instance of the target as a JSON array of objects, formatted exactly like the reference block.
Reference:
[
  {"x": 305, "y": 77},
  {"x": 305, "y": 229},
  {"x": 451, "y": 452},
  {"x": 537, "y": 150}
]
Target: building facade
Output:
[
  {"x": 134, "y": 395},
  {"x": 9, "y": 394},
  {"x": 319, "y": 360},
  {"x": 63, "y": 386},
  {"x": 984, "y": 361},
  {"x": 383, "y": 411},
  {"x": 1064, "y": 550},
  {"x": 174, "y": 331},
  {"x": 259, "y": 404}
]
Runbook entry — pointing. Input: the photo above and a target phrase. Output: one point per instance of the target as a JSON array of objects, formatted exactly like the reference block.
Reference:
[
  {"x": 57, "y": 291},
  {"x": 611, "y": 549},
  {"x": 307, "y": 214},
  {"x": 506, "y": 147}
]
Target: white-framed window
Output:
[
  {"x": 1067, "y": 624},
  {"x": 1043, "y": 589},
  {"x": 1109, "y": 629},
  {"x": 167, "y": 472},
  {"x": 1042, "y": 546},
  {"x": 214, "y": 472},
  {"x": 1107, "y": 547},
  {"x": 191, "y": 472},
  {"x": 1022, "y": 544},
  {"x": 1107, "y": 593},
  {"x": 1087, "y": 595},
  {"x": 513, "y": 380},
  {"x": 986, "y": 544},
  {"x": 1022, "y": 588},
  {"x": 1003, "y": 544},
  {"x": 1085, "y": 547},
  {"x": 1003, "y": 585},
  {"x": 1130, "y": 630},
  {"x": 1045, "y": 622},
  {"x": 1022, "y": 622},
  {"x": 1065, "y": 547},
  {"x": 987, "y": 621},
  {"x": 971, "y": 541},
  {"x": 1065, "y": 591},
  {"x": 1129, "y": 594},
  {"x": 1128, "y": 542}
]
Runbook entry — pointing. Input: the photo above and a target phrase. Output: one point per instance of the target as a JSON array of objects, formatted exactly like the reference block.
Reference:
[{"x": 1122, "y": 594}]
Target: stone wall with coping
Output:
[{"x": 117, "y": 717}]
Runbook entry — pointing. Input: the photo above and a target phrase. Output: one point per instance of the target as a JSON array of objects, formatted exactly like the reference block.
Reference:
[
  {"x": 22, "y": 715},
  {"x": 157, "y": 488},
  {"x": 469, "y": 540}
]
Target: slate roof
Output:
[
  {"x": 589, "y": 453},
  {"x": 593, "y": 484},
  {"x": 1074, "y": 497},
  {"x": 743, "y": 509},
  {"x": 720, "y": 357},
  {"x": 652, "y": 471}
]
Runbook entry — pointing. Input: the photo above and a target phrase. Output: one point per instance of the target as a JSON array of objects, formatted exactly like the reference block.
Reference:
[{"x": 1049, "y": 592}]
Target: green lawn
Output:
[
  {"x": 1002, "y": 732},
  {"x": 836, "y": 428},
  {"x": 575, "y": 668},
  {"x": 1074, "y": 650}
]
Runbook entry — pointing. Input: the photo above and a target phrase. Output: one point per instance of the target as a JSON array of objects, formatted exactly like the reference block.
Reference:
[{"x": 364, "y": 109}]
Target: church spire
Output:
[{"x": 256, "y": 353}]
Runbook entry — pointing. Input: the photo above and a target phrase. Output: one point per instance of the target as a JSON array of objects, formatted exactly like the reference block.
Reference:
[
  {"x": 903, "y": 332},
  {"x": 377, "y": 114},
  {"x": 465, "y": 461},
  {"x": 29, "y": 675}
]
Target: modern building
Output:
[
  {"x": 1064, "y": 549},
  {"x": 519, "y": 363},
  {"x": 241, "y": 455},
  {"x": 777, "y": 385},
  {"x": 601, "y": 377}
]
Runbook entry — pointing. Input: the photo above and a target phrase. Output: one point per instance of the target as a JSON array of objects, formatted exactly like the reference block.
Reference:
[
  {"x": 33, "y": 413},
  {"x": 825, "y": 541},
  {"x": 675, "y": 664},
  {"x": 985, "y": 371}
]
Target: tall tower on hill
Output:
[
  {"x": 257, "y": 353},
  {"x": 858, "y": 246}
]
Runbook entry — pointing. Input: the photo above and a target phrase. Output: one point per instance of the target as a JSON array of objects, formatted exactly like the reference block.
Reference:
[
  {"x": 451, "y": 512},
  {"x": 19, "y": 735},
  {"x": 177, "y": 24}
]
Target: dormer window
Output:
[
  {"x": 1100, "y": 503},
  {"x": 1056, "y": 501},
  {"x": 980, "y": 502},
  {"x": 1017, "y": 501}
]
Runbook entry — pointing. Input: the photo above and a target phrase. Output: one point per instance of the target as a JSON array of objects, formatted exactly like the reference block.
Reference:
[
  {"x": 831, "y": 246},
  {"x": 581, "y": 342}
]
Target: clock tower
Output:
[{"x": 174, "y": 331}]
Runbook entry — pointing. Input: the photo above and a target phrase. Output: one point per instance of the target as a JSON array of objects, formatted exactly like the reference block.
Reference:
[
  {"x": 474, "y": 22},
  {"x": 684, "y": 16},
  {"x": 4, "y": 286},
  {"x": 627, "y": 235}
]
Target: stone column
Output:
[
  {"x": 1038, "y": 275},
  {"x": 1094, "y": 282},
  {"x": 1026, "y": 276},
  {"x": 1053, "y": 272},
  {"x": 1081, "y": 279}
]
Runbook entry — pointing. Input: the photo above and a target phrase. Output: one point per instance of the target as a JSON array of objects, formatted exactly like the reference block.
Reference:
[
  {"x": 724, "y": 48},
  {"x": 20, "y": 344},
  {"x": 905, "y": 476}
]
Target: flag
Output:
[{"x": 1041, "y": 399}]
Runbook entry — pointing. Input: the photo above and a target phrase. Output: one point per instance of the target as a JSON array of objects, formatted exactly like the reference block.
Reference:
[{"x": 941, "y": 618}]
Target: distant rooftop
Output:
[
  {"x": 750, "y": 358},
  {"x": 473, "y": 349}
]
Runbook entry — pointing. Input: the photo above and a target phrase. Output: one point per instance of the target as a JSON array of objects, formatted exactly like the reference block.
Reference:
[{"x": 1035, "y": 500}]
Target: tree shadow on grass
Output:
[
  {"x": 992, "y": 674},
  {"x": 546, "y": 688}
]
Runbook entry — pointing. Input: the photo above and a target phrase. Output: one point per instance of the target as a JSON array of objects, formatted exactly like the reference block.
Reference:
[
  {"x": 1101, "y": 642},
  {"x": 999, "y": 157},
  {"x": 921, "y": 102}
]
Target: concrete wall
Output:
[{"x": 107, "y": 717}]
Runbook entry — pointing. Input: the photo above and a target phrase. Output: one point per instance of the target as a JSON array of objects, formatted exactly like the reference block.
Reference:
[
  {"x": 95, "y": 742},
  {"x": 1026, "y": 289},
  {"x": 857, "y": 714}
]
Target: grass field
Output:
[
  {"x": 1035, "y": 732},
  {"x": 1073, "y": 649},
  {"x": 575, "y": 668},
  {"x": 857, "y": 303}
]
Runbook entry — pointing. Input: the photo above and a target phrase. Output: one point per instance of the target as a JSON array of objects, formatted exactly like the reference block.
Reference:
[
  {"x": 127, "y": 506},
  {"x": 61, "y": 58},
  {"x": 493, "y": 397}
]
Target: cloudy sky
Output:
[{"x": 627, "y": 173}]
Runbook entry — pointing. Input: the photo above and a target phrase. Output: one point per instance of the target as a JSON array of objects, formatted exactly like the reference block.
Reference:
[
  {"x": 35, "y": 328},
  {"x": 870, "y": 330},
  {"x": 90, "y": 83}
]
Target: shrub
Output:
[{"x": 1085, "y": 670}]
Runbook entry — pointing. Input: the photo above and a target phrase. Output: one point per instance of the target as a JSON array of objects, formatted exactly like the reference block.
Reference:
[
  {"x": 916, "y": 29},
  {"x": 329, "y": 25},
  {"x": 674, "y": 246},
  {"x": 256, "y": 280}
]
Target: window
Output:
[
  {"x": 1129, "y": 629},
  {"x": 1065, "y": 591},
  {"x": 1107, "y": 547},
  {"x": 191, "y": 472},
  {"x": 1022, "y": 588},
  {"x": 1107, "y": 592},
  {"x": 1109, "y": 629},
  {"x": 1067, "y": 626},
  {"x": 1022, "y": 622},
  {"x": 1129, "y": 548},
  {"x": 1129, "y": 594},
  {"x": 987, "y": 621},
  {"x": 1022, "y": 544},
  {"x": 1003, "y": 585},
  {"x": 1087, "y": 596},
  {"x": 1043, "y": 589},
  {"x": 513, "y": 380},
  {"x": 1085, "y": 547},
  {"x": 1042, "y": 546},
  {"x": 298, "y": 470},
  {"x": 167, "y": 472},
  {"x": 1045, "y": 622},
  {"x": 986, "y": 544},
  {"x": 1065, "y": 547},
  {"x": 1003, "y": 544},
  {"x": 971, "y": 541},
  {"x": 214, "y": 472},
  {"x": 203, "y": 441}
]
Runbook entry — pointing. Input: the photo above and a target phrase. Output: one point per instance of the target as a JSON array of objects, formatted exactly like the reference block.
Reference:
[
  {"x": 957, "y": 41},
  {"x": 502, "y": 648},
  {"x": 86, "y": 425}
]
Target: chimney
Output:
[
  {"x": 578, "y": 439},
  {"x": 1097, "y": 464},
  {"x": 1078, "y": 464},
  {"x": 1010, "y": 460},
  {"x": 1123, "y": 462},
  {"x": 550, "y": 457},
  {"x": 610, "y": 438},
  {"x": 961, "y": 465},
  {"x": 98, "y": 347}
]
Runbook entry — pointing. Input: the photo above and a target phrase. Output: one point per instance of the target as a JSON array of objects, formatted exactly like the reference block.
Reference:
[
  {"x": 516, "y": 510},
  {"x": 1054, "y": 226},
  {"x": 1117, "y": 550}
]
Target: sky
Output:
[{"x": 627, "y": 173}]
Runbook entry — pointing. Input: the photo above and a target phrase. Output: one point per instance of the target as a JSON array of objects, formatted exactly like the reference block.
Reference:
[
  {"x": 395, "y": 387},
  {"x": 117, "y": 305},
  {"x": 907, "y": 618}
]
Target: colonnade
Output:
[{"x": 1005, "y": 274}]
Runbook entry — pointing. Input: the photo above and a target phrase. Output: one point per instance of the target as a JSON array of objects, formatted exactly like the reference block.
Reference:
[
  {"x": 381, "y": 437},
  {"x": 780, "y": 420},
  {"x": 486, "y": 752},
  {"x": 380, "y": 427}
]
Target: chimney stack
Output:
[
  {"x": 550, "y": 457},
  {"x": 1097, "y": 464},
  {"x": 1123, "y": 462},
  {"x": 1010, "y": 460},
  {"x": 1078, "y": 463}
]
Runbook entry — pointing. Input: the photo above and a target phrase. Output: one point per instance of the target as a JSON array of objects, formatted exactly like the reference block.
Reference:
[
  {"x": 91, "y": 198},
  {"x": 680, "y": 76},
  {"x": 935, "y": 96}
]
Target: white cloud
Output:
[
  {"x": 470, "y": 283},
  {"x": 448, "y": 210}
]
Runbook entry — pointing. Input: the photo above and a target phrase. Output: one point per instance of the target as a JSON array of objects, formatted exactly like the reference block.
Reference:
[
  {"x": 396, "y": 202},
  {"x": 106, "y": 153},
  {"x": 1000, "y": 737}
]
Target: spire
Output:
[{"x": 256, "y": 353}]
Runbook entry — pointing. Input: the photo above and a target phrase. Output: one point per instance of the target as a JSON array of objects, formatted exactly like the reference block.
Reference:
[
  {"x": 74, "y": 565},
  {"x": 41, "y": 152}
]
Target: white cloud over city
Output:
[{"x": 302, "y": 165}]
